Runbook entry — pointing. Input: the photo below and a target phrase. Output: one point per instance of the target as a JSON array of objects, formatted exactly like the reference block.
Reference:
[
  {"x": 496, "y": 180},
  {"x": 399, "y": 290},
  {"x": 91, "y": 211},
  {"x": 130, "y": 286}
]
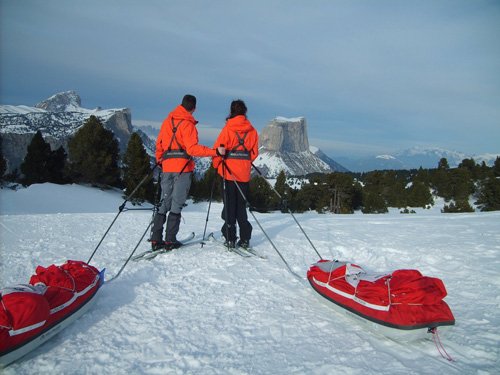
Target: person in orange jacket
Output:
[
  {"x": 241, "y": 143},
  {"x": 176, "y": 145}
]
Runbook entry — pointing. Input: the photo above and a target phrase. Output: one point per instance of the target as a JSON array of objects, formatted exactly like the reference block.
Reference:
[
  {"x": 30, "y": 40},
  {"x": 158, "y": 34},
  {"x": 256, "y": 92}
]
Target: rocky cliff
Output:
[
  {"x": 284, "y": 145},
  {"x": 285, "y": 135},
  {"x": 58, "y": 118}
]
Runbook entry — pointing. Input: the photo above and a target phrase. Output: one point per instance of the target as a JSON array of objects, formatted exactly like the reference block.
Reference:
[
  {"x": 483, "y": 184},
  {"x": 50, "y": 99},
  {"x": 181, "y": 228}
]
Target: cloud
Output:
[{"x": 378, "y": 72}]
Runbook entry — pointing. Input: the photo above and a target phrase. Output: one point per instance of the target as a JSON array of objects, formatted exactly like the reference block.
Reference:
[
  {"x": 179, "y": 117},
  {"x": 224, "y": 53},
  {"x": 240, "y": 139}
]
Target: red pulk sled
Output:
[
  {"x": 32, "y": 313},
  {"x": 402, "y": 303}
]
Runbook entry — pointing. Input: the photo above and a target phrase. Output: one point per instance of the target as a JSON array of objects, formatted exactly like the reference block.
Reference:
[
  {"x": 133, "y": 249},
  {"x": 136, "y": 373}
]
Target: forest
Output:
[{"x": 93, "y": 158}]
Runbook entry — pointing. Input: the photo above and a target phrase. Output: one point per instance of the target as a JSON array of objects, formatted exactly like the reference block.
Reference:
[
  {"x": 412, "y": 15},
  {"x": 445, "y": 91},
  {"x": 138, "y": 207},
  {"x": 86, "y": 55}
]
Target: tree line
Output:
[{"x": 93, "y": 158}]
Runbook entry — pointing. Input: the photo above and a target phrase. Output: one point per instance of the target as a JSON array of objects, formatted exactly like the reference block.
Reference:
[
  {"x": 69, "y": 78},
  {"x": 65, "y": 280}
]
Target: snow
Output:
[
  {"x": 385, "y": 157},
  {"x": 19, "y": 110},
  {"x": 24, "y": 110},
  {"x": 207, "y": 311},
  {"x": 286, "y": 119}
]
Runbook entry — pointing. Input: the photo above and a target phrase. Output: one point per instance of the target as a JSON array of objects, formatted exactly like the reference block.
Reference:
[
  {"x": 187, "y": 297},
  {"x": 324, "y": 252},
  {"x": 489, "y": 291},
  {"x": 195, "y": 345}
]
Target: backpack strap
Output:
[
  {"x": 234, "y": 153},
  {"x": 179, "y": 152}
]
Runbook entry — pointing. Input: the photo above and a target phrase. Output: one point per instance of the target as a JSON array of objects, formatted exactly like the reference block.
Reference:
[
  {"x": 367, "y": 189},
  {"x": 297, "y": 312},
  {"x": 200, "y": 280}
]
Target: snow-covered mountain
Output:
[
  {"x": 332, "y": 163},
  {"x": 284, "y": 146},
  {"x": 414, "y": 158},
  {"x": 58, "y": 118}
]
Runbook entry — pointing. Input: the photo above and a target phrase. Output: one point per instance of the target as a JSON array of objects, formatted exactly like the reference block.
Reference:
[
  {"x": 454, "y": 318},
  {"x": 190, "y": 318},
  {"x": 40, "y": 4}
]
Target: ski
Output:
[
  {"x": 246, "y": 253},
  {"x": 253, "y": 252},
  {"x": 154, "y": 254},
  {"x": 235, "y": 250},
  {"x": 148, "y": 254}
]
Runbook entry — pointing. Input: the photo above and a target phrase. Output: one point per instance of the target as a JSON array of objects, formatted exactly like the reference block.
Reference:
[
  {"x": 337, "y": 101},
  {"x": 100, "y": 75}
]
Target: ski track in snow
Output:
[{"x": 205, "y": 310}]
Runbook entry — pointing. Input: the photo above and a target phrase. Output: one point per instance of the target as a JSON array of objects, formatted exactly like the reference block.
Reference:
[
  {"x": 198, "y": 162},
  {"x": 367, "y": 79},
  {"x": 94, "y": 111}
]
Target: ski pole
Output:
[
  {"x": 120, "y": 209},
  {"x": 224, "y": 199},
  {"x": 288, "y": 209},
  {"x": 130, "y": 256},
  {"x": 258, "y": 223},
  {"x": 208, "y": 211}
]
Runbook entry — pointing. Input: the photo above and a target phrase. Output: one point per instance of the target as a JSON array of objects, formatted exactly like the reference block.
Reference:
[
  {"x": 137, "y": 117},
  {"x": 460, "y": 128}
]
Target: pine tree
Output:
[
  {"x": 343, "y": 192},
  {"x": 460, "y": 205},
  {"x": 443, "y": 164},
  {"x": 304, "y": 199},
  {"x": 489, "y": 194},
  {"x": 281, "y": 186},
  {"x": 3, "y": 162},
  {"x": 57, "y": 166},
  {"x": 461, "y": 183},
  {"x": 283, "y": 189},
  {"x": 261, "y": 195},
  {"x": 375, "y": 192},
  {"x": 202, "y": 189},
  {"x": 419, "y": 195},
  {"x": 36, "y": 164},
  {"x": 373, "y": 203},
  {"x": 496, "y": 167},
  {"x": 136, "y": 167},
  {"x": 94, "y": 155}
]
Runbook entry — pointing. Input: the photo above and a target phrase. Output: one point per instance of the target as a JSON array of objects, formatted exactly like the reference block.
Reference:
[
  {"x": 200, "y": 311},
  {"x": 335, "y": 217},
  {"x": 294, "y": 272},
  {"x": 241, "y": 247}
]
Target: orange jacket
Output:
[
  {"x": 186, "y": 138},
  {"x": 237, "y": 168}
]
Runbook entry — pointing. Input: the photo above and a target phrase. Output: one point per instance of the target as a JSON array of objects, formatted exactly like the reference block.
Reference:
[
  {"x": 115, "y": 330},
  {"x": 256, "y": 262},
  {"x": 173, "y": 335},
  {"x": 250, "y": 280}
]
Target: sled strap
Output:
[
  {"x": 439, "y": 344},
  {"x": 120, "y": 210},
  {"x": 130, "y": 256},
  {"x": 224, "y": 164},
  {"x": 289, "y": 211}
]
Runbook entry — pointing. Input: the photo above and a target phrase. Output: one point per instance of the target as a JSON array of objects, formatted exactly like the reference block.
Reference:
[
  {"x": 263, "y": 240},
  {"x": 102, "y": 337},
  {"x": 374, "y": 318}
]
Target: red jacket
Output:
[
  {"x": 185, "y": 142},
  {"x": 238, "y": 164}
]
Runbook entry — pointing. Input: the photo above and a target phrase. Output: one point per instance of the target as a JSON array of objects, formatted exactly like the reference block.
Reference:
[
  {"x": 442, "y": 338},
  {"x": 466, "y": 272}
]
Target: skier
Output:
[
  {"x": 176, "y": 145},
  {"x": 241, "y": 141}
]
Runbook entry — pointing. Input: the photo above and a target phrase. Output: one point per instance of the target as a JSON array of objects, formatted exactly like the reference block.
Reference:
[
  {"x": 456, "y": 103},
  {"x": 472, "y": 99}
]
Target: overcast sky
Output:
[{"x": 369, "y": 76}]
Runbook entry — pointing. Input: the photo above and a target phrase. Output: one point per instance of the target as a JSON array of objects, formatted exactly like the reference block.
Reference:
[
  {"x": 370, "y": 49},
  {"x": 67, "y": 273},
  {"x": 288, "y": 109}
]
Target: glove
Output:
[{"x": 221, "y": 151}]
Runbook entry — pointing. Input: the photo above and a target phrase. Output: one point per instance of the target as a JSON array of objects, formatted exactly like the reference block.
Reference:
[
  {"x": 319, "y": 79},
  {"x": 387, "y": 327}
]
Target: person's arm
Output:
[
  {"x": 221, "y": 140},
  {"x": 190, "y": 138},
  {"x": 254, "y": 152},
  {"x": 159, "y": 146}
]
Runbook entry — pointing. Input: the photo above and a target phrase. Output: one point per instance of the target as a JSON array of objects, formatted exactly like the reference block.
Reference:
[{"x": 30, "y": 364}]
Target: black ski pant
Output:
[{"x": 235, "y": 206}]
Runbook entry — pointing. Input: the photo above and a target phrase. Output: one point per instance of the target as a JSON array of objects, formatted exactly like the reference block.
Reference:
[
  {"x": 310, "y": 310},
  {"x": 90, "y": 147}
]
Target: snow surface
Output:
[{"x": 207, "y": 311}]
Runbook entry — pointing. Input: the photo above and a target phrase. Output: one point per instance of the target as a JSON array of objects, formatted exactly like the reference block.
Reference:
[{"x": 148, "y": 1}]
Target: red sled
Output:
[
  {"x": 402, "y": 304},
  {"x": 56, "y": 296}
]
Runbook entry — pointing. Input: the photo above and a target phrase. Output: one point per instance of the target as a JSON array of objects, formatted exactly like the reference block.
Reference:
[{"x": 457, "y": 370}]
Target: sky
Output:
[{"x": 370, "y": 77}]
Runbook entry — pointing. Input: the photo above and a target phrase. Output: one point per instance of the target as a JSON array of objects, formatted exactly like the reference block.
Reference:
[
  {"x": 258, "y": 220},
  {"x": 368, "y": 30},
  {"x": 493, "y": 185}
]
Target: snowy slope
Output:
[{"x": 206, "y": 311}]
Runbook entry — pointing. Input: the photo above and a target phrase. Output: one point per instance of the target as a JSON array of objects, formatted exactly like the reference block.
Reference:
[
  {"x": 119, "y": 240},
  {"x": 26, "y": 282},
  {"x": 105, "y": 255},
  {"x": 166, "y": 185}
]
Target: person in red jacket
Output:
[
  {"x": 176, "y": 145},
  {"x": 241, "y": 143}
]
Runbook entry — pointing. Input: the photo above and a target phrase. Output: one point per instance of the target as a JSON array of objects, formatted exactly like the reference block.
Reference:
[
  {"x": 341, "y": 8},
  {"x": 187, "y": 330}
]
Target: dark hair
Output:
[
  {"x": 238, "y": 108},
  {"x": 189, "y": 102}
]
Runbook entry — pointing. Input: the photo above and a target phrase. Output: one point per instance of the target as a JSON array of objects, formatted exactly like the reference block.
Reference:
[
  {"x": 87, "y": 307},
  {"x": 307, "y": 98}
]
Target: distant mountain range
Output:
[
  {"x": 283, "y": 143},
  {"x": 413, "y": 158},
  {"x": 58, "y": 118}
]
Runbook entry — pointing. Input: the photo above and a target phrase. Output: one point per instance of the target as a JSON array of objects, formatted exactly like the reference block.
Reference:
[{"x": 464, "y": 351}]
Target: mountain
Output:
[
  {"x": 58, "y": 118},
  {"x": 284, "y": 145},
  {"x": 332, "y": 163},
  {"x": 413, "y": 158}
]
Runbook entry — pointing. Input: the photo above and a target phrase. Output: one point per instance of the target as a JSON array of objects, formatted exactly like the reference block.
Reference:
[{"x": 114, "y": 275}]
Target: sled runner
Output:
[
  {"x": 56, "y": 296},
  {"x": 400, "y": 304}
]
